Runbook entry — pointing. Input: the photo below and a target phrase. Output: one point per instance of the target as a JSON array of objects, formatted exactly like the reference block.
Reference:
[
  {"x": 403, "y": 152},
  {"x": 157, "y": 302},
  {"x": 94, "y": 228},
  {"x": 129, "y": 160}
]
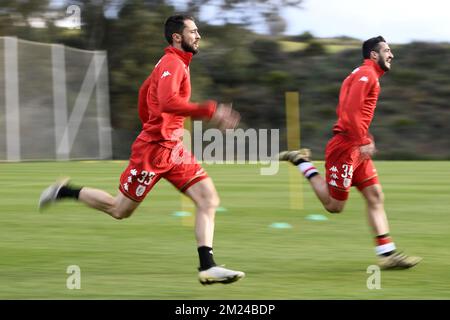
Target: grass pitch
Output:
[{"x": 152, "y": 255}]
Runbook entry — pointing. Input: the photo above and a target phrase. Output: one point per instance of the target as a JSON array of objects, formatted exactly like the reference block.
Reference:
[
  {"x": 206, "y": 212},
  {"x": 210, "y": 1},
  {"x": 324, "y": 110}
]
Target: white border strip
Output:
[{"x": 12, "y": 100}]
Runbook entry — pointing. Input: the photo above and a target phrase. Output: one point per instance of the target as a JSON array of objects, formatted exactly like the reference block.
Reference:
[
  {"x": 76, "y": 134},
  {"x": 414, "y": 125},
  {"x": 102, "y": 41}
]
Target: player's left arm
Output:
[
  {"x": 171, "y": 76},
  {"x": 358, "y": 92}
]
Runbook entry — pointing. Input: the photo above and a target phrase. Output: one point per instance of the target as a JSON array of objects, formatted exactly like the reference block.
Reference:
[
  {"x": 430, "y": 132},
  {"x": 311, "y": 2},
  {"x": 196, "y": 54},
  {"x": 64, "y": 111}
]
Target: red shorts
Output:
[
  {"x": 346, "y": 168},
  {"x": 150, "y": 162}
]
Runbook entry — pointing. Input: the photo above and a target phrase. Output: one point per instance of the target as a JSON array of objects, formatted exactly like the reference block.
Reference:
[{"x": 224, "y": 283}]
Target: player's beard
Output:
[
  {"x": 187, "y": 47},
  {"x": 382, "y": 64}
]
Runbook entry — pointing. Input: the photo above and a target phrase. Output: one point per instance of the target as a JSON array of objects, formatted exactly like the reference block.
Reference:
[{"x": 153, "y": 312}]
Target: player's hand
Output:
[
  {"x": 225, "y": 117},
  {"x": 367, "y": 150}
]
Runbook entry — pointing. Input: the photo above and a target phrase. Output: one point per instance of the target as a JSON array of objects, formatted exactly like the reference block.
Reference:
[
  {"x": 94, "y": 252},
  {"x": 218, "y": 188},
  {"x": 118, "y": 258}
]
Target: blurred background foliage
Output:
[{"x": 253, "y": 70}]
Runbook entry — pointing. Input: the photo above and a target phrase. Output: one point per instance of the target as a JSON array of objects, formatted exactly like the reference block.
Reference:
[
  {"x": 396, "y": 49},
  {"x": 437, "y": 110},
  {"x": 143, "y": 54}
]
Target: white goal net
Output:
[{"x": 54, "y": 102}]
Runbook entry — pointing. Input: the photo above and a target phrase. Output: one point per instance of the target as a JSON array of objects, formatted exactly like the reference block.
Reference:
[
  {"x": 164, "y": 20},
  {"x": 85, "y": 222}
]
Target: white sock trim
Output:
[
  {"x": 307, "y": 168},
  {"x": 385, "y": 248}
]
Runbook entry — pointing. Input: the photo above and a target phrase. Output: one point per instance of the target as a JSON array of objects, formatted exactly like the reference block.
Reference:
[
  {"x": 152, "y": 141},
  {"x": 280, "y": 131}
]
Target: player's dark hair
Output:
[
  {"x": 373, "y": 44},
  {"x": 175, "y": 24}
]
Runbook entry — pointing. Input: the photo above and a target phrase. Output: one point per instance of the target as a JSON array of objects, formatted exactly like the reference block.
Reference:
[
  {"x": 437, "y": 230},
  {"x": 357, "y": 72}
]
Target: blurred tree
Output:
[
  {"x": 94, "y": 24},
  {"x": 249, "y": 12},
  {"x": 135, "y": 42},
  {"x": 305, "y": 37},
  {"x": 19, "y": 11},
  {"x": 266, "y": 49},
  {"x": 314, "y": 48},
  {"x": 16, "y": 17}
]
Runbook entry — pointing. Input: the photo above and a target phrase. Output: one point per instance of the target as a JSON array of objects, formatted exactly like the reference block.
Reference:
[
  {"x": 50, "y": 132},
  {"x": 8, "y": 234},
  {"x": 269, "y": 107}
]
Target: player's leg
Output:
[
  {"x": 118, "y": 207},
  {"x": 377, "y": 219},
  {"x": 322, "y": 191},
  {"x": 385, "y": 248},
  {"x": 135, "y": 182},
  {"x": 302, "y": 159},
  {"x": 366, "y": 180},
  {"x": 204, "y": 195},
  {"x": 190, "y": 178}
]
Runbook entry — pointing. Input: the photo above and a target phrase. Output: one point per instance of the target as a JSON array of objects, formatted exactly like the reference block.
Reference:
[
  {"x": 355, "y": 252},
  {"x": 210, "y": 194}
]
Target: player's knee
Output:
[
  {"x": 215, "y": 201},
  {"x": 380, "y": 197},
  {"x": 333, "y": 207},
  {"x": 212, "y": 202},
  {"x": 376, "y": 198},
  {"x": 120, "y": 214},
  {"x": 209, "y": 201},
  {"x": 119, "y": 217}
]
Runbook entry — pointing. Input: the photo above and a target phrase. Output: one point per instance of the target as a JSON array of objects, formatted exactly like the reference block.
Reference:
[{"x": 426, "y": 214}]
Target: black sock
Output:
[
  {"x": 206, "y": 257},
  {"x": 68, "y": 192},
  {"x": 312, "y": 175},
  {"x": 387, "y": 254}
]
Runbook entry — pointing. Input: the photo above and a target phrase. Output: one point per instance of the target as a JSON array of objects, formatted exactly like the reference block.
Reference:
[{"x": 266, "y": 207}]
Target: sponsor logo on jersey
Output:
[
  {"x": 165, "y": 74},
  {"x": 199, "y": 172},
  {"x": 347, "y": 182},
  {"x": 140, "y": 190},
  {"x": 332, "y": 183},
  {"x": 364, "y": 79}
]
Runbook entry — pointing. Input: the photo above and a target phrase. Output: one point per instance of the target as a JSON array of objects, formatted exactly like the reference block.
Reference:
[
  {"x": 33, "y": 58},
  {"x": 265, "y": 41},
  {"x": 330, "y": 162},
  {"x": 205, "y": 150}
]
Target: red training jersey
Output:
[
  {"x": 357, "y": 102},
  {"x": 164, "y": 100}
]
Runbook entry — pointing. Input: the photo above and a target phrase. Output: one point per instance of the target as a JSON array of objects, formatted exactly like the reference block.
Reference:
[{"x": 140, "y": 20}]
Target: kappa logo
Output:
[
  {"x": 201, "y": 171},
  {"x": 333, "y": 183},
  {"x": 166, "y": 74},
  {"x": 334, "y": 169},
  {"x": 364, "y": 79},
  {"x": 334, "y": 176}
]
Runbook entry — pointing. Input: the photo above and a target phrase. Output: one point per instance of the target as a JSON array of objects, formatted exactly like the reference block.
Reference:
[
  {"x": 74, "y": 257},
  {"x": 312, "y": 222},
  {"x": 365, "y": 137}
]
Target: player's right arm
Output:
[
  {"x": 225, "y": 117},
  {"x": 172, "y": 74},
  {"x": 367, "y": 150}
]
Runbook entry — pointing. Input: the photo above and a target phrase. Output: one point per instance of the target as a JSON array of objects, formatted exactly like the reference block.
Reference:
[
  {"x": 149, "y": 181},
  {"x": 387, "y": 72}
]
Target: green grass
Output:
[{"x": 152, "y": 255}]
